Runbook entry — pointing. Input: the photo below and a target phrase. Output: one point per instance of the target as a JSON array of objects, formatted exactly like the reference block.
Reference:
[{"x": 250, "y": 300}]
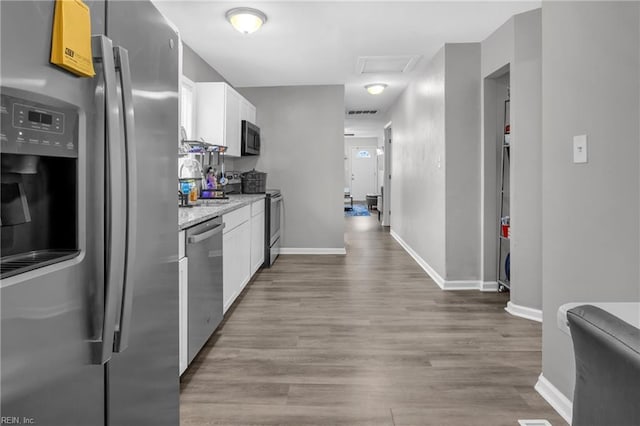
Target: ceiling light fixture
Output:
[
  {"x": 376, "y": 88},
  {"x": 245, "y": 19}
]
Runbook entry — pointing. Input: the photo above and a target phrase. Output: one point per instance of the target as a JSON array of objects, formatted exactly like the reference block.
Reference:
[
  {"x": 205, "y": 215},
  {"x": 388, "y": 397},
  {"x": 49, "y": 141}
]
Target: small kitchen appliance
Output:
[{"x": 250, "y": 138}]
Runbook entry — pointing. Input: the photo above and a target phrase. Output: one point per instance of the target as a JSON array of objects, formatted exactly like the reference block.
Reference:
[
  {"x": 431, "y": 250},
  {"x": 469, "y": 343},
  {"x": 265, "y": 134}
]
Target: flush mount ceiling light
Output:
[
  {"x": 376, "y": 88},
  {"x": 245, "y": 19}
]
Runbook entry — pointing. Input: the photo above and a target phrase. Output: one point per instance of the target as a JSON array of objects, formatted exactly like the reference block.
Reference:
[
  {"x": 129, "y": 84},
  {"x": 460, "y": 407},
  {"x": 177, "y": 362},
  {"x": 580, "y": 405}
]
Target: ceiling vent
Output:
[
  {"x": 386, "y": 64},
  {"x": 358, "y": 112}
]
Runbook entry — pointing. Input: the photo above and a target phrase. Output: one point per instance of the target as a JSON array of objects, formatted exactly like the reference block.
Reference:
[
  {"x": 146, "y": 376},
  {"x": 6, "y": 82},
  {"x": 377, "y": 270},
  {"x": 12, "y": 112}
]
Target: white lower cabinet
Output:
[
  {"x": 257, "y": 235},
  {"x": 236, "y": 244},
  {"x": 183, "y": 313}
]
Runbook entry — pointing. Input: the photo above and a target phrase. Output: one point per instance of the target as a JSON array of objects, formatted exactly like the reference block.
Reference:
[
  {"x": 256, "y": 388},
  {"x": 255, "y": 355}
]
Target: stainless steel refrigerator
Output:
[{"x": 89, "y": 294}]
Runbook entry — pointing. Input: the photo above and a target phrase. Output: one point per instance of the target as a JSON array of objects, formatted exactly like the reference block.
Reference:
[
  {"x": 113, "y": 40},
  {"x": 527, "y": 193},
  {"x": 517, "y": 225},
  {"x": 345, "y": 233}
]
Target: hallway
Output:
[{"x": 365, "y": 339}]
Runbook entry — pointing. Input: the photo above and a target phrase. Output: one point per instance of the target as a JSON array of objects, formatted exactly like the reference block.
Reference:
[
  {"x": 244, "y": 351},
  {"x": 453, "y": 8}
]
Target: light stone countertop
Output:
[{"x": 208, "y": 209}]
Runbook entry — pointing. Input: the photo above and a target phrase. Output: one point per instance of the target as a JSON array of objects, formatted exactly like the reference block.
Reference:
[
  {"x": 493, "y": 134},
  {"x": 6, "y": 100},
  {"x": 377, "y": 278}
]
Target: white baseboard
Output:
[
  {"x": 489, "y": 286},
  {"x": 419, "y": 260},
  {"x": 437, "y": 278},
  {"x": 295, "y": 250},
  {"x": 524, "y": 312},
  {"x": 555, "y": 398}
]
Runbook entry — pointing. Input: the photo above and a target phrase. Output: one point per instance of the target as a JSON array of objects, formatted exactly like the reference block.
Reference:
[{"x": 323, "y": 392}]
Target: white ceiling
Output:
[{"x": 317, "y": 43}]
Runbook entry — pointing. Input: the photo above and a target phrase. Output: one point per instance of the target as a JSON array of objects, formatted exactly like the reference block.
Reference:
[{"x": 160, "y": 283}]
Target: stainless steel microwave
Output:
[{"x": 250, "y": 138}]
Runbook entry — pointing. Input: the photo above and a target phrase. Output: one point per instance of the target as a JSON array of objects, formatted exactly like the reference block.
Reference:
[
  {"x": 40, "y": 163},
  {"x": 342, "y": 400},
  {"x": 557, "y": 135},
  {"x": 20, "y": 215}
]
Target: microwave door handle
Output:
[
  {"x": 123, "y": 328},
  {"x": 114, "y": 226}
]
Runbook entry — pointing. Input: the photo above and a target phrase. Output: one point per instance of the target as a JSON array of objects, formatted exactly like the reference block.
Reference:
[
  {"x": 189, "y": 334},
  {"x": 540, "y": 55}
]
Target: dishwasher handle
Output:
[{"x": 193, "y": 239}]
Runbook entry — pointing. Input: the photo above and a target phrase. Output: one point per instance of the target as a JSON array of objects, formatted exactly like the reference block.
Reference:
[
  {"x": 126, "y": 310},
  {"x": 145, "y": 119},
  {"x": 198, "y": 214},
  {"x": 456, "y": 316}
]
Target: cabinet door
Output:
[
  {"x": 183, "y": 315},
  {"x": 244, "y": 255},
  {"x": 253, "y": 116},
  {"x": 245, "y": 108},
  {"x": 229, "y": 269},
  {"x": 247, "y": 111},
  {"x": 210, "y": 112},
  {"x": 236, "y": 271},
  {"x": 232, "y": 123},
  {"x": 257, "y": 241}
]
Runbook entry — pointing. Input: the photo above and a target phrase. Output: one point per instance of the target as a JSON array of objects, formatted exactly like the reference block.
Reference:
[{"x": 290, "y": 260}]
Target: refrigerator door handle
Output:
[
  {"x": 114, "y": 207},
  {"x": 123, "y": 327}
]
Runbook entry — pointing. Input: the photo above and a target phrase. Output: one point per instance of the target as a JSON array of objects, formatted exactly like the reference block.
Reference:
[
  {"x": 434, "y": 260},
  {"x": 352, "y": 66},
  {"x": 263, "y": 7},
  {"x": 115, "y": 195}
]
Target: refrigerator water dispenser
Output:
[{"x": 38, "y": 185}]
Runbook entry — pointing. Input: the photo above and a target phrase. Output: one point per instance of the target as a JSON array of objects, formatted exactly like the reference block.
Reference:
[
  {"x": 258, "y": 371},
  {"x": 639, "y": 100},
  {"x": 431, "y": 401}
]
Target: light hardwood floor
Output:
[{"x": 365, "y": 339}]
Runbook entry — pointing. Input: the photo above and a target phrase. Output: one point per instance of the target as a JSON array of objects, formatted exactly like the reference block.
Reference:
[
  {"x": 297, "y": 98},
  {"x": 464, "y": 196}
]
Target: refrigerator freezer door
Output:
[
  {"x": 50, "y": 315},
  {"x": 143, "y": 379}
]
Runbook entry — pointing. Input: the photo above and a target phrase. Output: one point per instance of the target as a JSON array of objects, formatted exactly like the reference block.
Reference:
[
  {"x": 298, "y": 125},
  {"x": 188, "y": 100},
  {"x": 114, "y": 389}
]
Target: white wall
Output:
[
  {"x": 591, "y": 238},
  {"x": 302, "y": 130},
  {"x": 436, "y": 166}
]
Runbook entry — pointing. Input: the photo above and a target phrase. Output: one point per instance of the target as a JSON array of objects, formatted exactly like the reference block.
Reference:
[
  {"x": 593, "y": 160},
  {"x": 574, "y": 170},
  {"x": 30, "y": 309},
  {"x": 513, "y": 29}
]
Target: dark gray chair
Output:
[{"x": 607, "y": 352}]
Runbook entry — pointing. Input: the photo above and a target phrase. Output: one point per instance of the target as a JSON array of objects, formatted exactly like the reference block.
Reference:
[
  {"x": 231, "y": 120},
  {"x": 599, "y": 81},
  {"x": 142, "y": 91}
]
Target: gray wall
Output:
[
  {"x": 526, "y": 161},
  {"x": 515, "y": 48},
  {"x": 418, "y": 175},
  {"x": 302, "y": 129},
  {"x": 435, "y": 185},
  {"x": 590, "y": 68},
  {"x": 196, "y": 69},
  {"x": 462, "y": 154}
]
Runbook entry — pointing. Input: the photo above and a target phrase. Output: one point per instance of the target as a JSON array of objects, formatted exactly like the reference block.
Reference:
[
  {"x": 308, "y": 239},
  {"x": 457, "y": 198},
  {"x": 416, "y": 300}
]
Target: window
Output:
[{"x": 187, "y": 106}]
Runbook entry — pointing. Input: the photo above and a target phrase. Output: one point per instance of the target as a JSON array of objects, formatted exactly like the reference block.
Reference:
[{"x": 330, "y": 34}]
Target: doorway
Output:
[
  {"x": 363, "y": 172},
  {"x": 496, "y": 188}
]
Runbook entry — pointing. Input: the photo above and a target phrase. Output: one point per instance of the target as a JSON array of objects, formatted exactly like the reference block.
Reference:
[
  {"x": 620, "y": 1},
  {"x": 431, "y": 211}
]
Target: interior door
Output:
[{"x": 363, "y": 172}]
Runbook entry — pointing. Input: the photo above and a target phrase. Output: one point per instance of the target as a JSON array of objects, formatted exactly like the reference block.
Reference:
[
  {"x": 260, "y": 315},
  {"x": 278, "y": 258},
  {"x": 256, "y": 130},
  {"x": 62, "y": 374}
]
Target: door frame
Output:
[{"x": 386, "y": 182}]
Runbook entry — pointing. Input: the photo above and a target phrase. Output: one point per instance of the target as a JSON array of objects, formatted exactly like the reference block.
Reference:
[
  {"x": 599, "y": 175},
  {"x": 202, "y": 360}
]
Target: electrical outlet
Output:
[{"x": 580, "y": 149}]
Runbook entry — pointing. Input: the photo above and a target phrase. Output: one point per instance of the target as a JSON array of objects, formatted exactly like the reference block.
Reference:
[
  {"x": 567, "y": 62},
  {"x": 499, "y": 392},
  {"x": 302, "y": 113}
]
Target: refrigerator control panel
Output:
[
  {"x": 34, "y": 118},
  {"x": 35, "y": 128}
]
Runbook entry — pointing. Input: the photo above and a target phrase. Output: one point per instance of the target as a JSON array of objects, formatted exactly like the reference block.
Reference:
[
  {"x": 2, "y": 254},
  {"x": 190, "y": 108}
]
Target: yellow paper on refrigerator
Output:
[{"x": 71, "y": 38}]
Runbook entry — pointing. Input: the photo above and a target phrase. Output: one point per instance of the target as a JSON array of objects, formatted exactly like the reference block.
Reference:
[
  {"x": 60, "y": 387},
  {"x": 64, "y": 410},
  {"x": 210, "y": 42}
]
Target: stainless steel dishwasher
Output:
[{"x": 204, "y": 254}]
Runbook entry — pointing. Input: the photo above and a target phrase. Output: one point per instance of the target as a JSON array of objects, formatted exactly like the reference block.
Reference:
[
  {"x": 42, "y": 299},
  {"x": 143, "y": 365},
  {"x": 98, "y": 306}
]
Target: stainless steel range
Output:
[{"x": 272, "y": 226}]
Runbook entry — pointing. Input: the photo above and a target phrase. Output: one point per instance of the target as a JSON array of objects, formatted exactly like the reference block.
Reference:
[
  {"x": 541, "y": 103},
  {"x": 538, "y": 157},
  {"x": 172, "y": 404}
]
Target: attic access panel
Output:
[{"x": 386, "y": 64}]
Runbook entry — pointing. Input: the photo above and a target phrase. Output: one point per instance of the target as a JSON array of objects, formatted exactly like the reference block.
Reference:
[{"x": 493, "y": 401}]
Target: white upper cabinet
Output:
[
  {"x": 232, "y": 123},
  {"x": 247, "y": 111},
  {"x": 220, "y": 111}
]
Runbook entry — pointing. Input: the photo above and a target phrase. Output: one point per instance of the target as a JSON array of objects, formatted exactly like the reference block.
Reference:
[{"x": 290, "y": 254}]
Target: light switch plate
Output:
[{"x": 580, "y": 149}]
